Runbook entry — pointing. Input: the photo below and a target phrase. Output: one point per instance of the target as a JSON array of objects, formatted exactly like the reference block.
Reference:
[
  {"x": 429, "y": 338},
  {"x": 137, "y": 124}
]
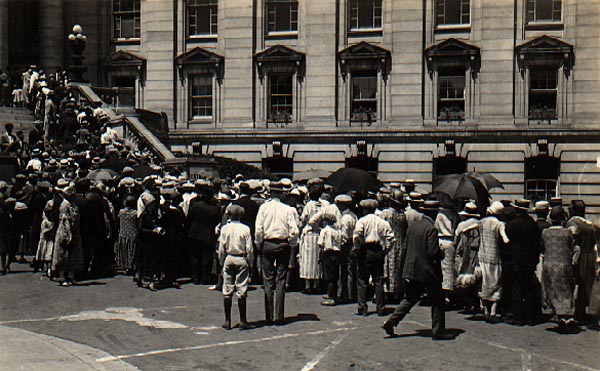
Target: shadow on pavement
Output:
[
  {"x": 426, "y": 333},
  {"x": 90, "y": 283},
  {"x": 300, "y": 317}
]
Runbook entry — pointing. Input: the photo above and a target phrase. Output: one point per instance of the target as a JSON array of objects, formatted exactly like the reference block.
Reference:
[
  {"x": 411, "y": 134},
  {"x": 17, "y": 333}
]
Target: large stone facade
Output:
[{"x": 495, "y": 55}]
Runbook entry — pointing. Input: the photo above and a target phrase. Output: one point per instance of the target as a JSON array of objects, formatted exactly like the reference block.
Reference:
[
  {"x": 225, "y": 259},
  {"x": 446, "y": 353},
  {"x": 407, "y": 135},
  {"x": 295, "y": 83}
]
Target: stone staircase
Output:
[{"x": 21, "y": 118}]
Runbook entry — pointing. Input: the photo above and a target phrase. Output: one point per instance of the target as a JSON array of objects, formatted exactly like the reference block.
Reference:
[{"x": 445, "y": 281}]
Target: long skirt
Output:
[
  {"x": 391, "y": 270},
  {"x": 447, "y": 246},
  {"x": 310, "y": 268},
  {"x": 125, "y": 252},
  {"x": 44, "y": 251},
  {"x": 558, "y": 284},
  {"x": 491, "y": 289},
  {"x": 68, "y": 260}
]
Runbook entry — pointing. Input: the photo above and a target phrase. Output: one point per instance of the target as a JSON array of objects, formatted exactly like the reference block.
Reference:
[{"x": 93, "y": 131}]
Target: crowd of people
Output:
[{"x": 83, "y": 221}]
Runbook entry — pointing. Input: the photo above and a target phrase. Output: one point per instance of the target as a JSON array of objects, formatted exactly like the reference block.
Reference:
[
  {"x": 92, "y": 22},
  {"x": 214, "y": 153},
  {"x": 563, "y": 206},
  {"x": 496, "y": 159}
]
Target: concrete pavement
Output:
[
  {"x": 110, "y": 323},
  {"x": 26, "y": 350}
]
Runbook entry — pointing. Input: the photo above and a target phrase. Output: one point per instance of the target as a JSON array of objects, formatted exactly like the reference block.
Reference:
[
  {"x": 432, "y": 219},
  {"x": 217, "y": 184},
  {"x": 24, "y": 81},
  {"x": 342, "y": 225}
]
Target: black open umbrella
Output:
[
  {"x": 351, "y": 179},
  {"x": 142, "y": 171},
  {"x": 461, "y": 186},
  {"x": 117, "y": 164},
  {"x": 487, "y": 179}
]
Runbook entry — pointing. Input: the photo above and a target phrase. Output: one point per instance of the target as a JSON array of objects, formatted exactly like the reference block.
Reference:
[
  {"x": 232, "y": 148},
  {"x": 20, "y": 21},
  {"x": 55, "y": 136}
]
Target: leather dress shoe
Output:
[
  {"x": 388, "y": 327},
  {"x": 361, "y": 313},
  {"x": 444, "y": 336}
]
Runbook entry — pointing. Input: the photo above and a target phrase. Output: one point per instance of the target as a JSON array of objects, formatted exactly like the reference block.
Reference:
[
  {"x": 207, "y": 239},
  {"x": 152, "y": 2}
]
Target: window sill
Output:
[
  {"x": 278, "y": 35},
  {"x": 365, "y": 32},
  {"x": 535, "y": 26},
  {"x": 453, "y": 28},
  {"x": 202, "y": 38},
  {"x": 130, "y": 41},
  {"x": 201, "y": 120}
]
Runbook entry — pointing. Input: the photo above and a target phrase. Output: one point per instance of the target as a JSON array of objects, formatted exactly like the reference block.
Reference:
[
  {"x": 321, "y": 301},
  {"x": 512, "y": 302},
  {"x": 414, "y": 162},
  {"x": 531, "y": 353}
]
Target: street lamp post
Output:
[{"x": 77, "y": 41}]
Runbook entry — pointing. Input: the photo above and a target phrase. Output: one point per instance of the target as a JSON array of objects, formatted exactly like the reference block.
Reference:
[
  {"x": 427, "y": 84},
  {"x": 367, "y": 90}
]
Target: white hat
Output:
[{"x": 495, "y": 208}]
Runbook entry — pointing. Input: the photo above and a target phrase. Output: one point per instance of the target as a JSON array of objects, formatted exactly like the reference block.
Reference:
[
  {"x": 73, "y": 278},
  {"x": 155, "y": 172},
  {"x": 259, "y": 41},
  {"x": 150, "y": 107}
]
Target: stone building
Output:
[{"x": 409, "y": 89}]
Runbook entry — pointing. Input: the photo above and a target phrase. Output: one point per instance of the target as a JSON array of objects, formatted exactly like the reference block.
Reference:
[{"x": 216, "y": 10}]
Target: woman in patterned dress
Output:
[
  {"x": 126, "y": 242},
  {"x": 492, "y": 234},
  {"x": 558, "y": 276},
  {"x": 67, "y": 258},
  {"x": 310, "y": 269},
  {"x": 392, "y": 273}
]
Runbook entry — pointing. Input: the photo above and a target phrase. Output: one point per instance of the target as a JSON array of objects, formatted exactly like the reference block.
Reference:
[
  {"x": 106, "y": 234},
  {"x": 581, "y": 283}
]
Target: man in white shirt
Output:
[
  {"x": 372, "y": 238},
  {"x": 276, "y": 235}
]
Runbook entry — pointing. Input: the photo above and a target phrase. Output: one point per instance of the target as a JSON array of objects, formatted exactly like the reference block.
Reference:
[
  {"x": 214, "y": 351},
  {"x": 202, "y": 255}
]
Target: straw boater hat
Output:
[
  {"x": 343, "y": 198},
  {"x": 65, "y": 187},
  {"x": 495, "y": 208},
  {"x": 430, "y": 205},
  {"x": 522, "y": 204},
  {"x": 556, "y": 201},
  {"x": 470, "y": 210},
  {"x": 369, "y": 203},
  {"x": 542, "y": 206},
  {"x": 286, "y": 184}
]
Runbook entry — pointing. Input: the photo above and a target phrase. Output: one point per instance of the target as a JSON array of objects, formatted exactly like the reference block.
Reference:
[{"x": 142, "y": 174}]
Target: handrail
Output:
[{"x": 131, "y": 124}]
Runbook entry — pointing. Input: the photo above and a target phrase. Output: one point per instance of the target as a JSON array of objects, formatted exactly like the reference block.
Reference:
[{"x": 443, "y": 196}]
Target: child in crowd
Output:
[
  {"x": 330, "y": 243},
  {"x": 235, "y": 253},
  {"x": 46, "y": 244}
]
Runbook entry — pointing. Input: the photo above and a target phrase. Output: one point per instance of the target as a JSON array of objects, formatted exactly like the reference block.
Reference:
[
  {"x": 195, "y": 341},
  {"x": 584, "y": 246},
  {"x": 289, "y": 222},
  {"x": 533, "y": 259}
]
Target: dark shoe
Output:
[
  {"x": 227, "y": 325},
  {"x": 361, "y": 313},
  {"x": 244, "y": 326},
  {"x": 388, "y": 327},
  {"x": 516, "y": 323},
  {"x": 444, "y": 336},
  {"x": 279, "y": 322},
  {"x": 328, "y": 303},
  {"x": 381, "y": 313},
  {"x": 494, "y": 320}
]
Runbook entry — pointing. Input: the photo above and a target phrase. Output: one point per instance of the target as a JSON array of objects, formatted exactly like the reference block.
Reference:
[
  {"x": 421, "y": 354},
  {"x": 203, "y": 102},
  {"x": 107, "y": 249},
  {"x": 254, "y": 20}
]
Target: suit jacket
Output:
[
  {"x": 423, "y": 254},
  {"x": 524, "y": 235},
  {"x": 250, "y": 210},
  {"x": 202, "y": 219}
]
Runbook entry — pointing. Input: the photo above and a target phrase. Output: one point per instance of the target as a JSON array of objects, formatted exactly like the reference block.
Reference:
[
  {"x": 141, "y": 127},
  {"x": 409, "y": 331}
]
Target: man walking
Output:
[
  {"x": 422, "y": 272},
  {"x": 276, "y": 234},
  {"x": 372, "y": 238}
]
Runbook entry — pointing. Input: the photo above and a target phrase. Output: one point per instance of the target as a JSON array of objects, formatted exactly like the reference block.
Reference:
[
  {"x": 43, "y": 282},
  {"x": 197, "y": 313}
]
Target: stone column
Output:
[
  {"x": 3, "y": 34},
  {"x": 53, "y": 34}
]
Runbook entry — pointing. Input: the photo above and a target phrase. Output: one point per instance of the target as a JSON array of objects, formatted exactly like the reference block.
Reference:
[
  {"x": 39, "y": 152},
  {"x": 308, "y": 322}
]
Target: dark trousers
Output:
[
  {"x": 347, "y": 280},
  {"x": 523, "y": 299},
  {"x": 412, "y": 294},
  {"x": 201, "y": 257},
  {"x": 331, "y": 271},
  {"x": 370, "y": 263},
  {"x": 274, "y": 266}
]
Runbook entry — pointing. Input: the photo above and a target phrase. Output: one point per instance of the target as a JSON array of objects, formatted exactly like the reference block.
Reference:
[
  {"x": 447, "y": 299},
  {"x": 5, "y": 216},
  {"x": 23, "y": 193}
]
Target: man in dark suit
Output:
[
  {"x": 249, "y": 218},
  {"x": 422, "y": 272},
  {"x": 203, "y": 216},
  {"x": 524, "y": 235}
]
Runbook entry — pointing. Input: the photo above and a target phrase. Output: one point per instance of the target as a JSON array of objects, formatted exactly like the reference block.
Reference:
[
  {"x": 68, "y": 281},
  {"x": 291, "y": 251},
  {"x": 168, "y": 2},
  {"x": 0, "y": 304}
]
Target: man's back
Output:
[
  {"x": 202, "y": 220},
  {"x": 422, "y": 252},
  {"x": 524, "y": 236}
]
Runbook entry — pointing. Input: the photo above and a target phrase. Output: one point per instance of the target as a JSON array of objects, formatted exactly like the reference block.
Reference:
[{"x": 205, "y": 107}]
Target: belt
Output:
[
  {"x": 373, "y": 246},
  {"x": 276, "y": 240},
  {"x": 237, "y": 255}
]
